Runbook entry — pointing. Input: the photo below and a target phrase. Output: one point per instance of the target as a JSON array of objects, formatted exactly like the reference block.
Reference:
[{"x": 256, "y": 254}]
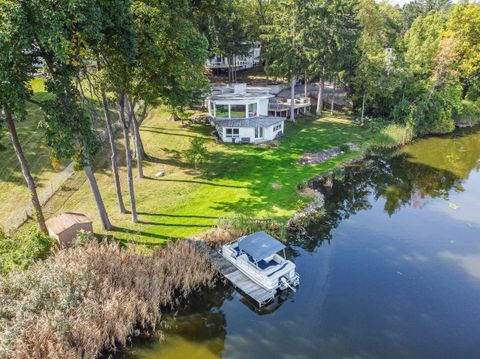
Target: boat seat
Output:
[
  {"x": 265, "y": 264},
  {"x": 279, "y": 269}
]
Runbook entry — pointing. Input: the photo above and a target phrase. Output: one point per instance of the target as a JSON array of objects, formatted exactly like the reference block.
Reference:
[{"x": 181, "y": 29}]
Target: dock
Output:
[{"x": 236, "y": 278}]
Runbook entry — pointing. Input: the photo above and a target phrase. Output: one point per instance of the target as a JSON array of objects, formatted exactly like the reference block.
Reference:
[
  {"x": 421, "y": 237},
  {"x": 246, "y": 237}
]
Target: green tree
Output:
[
  {"x": 463, "y": 28},
  {"x": 114, "y": 35},
  {"x": 345, "y": 33},
  {"x": 56, "y": 38},
  {"x": 197, "y": 153},
  {"x": 432, "y": 90},
  {"x": 286, "y": 47},
  {"x": 16, "y": 68},
  {"x": 419, "y": 8},
  {"x": 171, "y": 53},
  {"x": 317, "y": 45},
  {"x": 381, "y": 24}
]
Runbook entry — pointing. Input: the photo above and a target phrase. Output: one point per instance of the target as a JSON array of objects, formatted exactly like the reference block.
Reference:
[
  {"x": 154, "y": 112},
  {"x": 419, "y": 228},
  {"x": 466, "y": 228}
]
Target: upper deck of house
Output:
[{"x": 239, "y": 93}]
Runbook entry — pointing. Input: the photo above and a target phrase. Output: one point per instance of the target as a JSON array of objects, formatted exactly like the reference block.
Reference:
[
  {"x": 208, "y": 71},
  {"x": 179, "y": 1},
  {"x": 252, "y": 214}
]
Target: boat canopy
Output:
[{"x": 260, "y": 245}]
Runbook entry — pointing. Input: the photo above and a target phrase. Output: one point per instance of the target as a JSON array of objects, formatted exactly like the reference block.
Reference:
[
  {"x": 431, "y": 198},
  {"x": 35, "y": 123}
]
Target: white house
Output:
[
  {"x": 220, "y": 63},
  {"x": 240, "y": 114}
]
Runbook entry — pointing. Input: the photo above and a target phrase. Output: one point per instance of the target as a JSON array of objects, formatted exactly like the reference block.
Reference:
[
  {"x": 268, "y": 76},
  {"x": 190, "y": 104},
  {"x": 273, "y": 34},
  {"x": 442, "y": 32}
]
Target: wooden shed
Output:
[{"x": 64, "y": 227}]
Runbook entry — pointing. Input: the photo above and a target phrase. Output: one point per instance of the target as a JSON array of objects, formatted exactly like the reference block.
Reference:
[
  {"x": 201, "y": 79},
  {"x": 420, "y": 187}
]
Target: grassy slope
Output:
[
  {"x": 13, "y": 191},
  {"x": 238, "y": 179}
]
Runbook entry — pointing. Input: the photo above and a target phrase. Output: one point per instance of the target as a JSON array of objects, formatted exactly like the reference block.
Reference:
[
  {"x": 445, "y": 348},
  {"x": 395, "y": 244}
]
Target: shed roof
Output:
[
  {"x": 260, "y": 121},
  {"x": 260, "y": 245},
  {"x": 65, "y": 221}
]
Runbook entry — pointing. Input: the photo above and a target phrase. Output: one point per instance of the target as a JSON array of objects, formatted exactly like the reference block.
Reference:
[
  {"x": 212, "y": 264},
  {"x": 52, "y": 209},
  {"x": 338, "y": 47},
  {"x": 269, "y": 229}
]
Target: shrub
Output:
[
  {"x": 21, "y": 250},
  {"x": 301, "y": 186},
  {"x": 345, "y": 148},
  {"x": 89, "y": 299},
  {"x": 83, "y": 237},
  {"x": 394, "y": 135},
  {"x": 470, "y": 114},
  {"x": 197, "y": 153}
]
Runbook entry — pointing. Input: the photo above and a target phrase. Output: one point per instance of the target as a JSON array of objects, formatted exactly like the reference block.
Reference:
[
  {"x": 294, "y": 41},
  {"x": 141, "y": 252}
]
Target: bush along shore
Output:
[{"x": 88, "y": 300}]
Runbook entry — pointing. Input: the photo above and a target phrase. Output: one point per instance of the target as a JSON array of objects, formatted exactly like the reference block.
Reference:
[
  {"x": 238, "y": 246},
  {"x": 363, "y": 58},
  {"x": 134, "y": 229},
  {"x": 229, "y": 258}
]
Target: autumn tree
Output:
[{"x": 463, "y": 34}]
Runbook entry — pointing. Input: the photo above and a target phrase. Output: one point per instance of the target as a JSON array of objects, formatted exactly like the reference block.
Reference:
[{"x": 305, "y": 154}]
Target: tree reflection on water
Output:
[{"x": 397, "y": 178}]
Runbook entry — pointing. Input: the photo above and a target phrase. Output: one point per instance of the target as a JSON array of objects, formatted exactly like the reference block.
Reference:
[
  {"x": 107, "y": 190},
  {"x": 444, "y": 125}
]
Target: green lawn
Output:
[{"x": 237, "y": 180}]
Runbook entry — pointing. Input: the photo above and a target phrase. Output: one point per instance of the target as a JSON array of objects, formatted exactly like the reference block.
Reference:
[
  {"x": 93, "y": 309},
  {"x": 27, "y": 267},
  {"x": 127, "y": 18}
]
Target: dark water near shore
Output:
[{"x": 392, "y": 271}]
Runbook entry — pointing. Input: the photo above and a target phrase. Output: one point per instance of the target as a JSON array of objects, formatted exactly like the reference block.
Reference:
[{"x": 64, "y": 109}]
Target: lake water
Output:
[{"x": 392, "y": 271}]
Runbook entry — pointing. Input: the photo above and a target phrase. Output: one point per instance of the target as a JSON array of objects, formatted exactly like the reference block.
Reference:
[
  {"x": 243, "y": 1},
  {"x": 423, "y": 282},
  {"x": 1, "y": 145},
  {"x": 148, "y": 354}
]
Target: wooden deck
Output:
[{"x": 239, "y": 280}]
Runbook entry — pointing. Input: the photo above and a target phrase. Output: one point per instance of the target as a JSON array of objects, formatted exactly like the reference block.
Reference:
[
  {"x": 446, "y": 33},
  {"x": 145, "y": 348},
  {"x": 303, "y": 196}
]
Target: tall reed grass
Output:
[
  {"x": 87, "y": 300},
  {"x": 231, "y": 228},
  {"x": 395, "y": 135}
]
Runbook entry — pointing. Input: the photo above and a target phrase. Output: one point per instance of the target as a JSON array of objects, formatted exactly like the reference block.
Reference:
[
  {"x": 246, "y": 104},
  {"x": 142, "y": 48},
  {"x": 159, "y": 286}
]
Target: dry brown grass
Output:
[
  {"x": 91, "y": 299},
  {"x": 216, "y": 237}
]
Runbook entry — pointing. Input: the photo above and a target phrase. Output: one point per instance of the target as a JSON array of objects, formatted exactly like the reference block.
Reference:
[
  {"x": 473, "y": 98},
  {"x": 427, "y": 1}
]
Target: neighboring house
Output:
[
  {"x": 389, "y": 58},
  {"x": 219, "y": 63},
  {"x": 64, "y": 227},
  {"x": 240, "y": 114}
]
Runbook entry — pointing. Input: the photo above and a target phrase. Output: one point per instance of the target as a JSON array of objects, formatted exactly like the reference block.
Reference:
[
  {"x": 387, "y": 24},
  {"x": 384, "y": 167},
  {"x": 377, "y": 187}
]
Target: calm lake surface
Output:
[{"x": 392, "y": 271}]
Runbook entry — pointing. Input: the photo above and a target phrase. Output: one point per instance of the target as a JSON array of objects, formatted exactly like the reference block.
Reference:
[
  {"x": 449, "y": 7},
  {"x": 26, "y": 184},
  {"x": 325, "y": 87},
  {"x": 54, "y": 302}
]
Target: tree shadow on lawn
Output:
[
  {"x": 174, "y": 224},
  {"x": 175, "y": 215},
  {"x": 195, "y": 182},
  {"x": 174, "y": 154},
  {"x": 132, "y": 233},
  {"x": 171, "y": 161},
  {"x": 168, "y": 132}
]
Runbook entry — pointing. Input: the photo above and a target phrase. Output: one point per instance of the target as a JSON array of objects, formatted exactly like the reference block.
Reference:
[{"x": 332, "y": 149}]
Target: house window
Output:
[
  {"x": 258, "y": 132},
  {"x": 277, "y": 127},
  {"x": 237, "y": 111},
  {"x": 232, "y": 132},
  {"x": 252, "y": 110},
  {"x": 221, "y": 111}
]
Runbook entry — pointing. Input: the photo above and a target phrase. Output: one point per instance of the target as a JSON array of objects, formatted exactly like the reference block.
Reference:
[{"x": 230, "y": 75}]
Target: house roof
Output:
[
  {"x": 260, "y": 121},
  {"x": 65, "y": 221},
  {"x": 260, "y": 245}
]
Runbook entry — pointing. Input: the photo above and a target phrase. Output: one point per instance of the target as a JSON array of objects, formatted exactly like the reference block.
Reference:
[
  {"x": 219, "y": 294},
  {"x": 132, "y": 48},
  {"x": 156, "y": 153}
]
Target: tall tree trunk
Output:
[
  {"x": 305, "y": 85},
  {"x": 321, "y": 86},
  {"x": 292, "y": 98},
  {"x": 332, "y": 104},
  {"x": 128, "y": 156},
  {"x": 136, "y": 138},
  {"x": 143, "y": 115},
  {"x": 137, "y": 125},
  {"x": 234, "y": 74},
  {"x": 266, "y": 73},
  {"x": 98, "y": 198},
  {"x": 113, "y": 151},
  {"x": 363, "y": 106},
  {"x": 229, "y": 70},
  {"x": 25, "y": 171}
]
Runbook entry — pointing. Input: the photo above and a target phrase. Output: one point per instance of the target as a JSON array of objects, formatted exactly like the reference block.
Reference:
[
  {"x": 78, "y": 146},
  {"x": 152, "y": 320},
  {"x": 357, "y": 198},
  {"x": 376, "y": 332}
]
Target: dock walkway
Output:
[{"x": 239, "y": 280}]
